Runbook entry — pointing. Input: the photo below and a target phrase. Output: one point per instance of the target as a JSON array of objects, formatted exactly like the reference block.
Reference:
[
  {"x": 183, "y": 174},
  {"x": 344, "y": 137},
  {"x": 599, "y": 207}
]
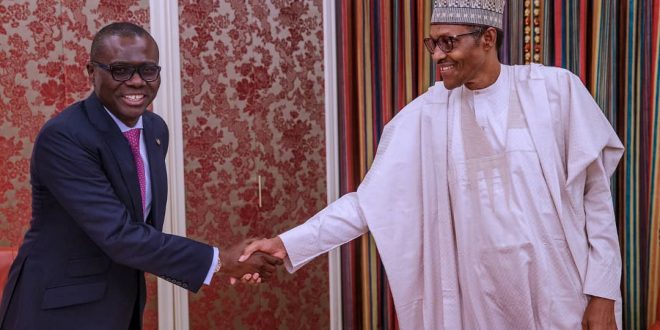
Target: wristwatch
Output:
[{"x": 217, "y": 267}]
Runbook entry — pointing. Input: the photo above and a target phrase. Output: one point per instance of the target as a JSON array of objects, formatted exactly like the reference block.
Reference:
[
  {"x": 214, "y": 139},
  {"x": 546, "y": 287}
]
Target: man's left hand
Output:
[{"x": 599, "y": 314}]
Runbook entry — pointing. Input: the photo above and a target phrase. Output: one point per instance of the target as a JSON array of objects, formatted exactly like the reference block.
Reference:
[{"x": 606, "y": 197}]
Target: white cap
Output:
[{"x": 472, "y": 12}]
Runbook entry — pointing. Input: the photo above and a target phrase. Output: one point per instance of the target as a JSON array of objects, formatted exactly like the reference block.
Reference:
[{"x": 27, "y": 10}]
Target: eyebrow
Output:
[
  {"x": 131, "y": 63},
  {"x": 450, "y": 34}
]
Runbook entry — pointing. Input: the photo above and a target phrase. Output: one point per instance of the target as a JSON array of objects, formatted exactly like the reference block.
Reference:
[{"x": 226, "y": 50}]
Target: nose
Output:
[
  {"x": 438, "y": 54},
  {"x": 136, "y": 80}
]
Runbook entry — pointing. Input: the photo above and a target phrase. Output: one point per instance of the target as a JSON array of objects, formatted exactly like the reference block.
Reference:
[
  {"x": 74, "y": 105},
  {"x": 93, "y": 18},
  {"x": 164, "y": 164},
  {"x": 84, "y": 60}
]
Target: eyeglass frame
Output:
[
  {"x": 135, "y": 68},
  {"x": 450, "y": 41}
]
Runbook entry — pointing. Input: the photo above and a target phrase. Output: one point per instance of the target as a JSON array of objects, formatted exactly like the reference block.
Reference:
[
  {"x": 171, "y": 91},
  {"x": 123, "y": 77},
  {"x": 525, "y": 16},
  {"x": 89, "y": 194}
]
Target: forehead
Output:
[
  {"x": 438, "y": 30},
  {"x": 129, "y": 49}
]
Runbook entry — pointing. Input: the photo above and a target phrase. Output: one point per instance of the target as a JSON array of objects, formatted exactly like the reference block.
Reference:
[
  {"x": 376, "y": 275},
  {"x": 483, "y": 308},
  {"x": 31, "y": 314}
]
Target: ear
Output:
[
  {"x": 90, "y": 72},
  {"x": 490, "y": 38}
]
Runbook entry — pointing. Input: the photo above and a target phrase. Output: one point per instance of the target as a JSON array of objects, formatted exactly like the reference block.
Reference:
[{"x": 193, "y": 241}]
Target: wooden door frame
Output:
[{"x": 164, "y": 23}]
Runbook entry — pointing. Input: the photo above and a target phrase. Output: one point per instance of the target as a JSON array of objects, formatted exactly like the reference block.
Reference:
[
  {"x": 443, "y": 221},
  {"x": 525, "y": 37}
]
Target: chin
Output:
[{"x": 450, "y": 85}]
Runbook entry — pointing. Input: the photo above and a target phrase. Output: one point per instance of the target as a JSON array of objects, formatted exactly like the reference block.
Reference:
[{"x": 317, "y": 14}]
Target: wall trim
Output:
[
  {"x": 164, "y": 21},
  {"x": 332, "y": 151}
]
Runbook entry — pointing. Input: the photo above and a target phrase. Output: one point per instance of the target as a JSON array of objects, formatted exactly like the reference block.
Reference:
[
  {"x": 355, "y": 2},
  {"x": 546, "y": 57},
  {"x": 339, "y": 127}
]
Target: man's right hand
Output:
[{"x": 273, "y": 246}]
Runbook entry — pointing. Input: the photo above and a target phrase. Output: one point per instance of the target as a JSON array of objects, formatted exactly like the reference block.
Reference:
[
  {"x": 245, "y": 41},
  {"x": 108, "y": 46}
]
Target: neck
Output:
[{"x": 490, "y": 73}]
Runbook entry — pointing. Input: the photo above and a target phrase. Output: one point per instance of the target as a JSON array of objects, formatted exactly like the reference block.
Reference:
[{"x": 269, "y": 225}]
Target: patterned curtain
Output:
[
  {"x": 612, "y": 46},
  {"x": 382, "y": 66},
  {"x": 637, "y": 111}
]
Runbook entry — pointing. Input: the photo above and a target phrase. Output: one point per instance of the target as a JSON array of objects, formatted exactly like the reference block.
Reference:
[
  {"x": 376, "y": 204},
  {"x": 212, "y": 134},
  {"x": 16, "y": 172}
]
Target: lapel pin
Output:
[{"x": 157, "y": 141}]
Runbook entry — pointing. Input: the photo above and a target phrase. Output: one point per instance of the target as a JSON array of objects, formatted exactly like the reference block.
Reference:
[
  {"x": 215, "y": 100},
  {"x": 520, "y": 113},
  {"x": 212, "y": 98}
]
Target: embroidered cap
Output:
[{"x": 478, "y": 12}]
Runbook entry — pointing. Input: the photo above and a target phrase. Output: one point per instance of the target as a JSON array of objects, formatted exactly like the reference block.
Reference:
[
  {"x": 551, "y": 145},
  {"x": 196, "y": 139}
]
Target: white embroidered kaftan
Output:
[{"x": 477, "y": 231}]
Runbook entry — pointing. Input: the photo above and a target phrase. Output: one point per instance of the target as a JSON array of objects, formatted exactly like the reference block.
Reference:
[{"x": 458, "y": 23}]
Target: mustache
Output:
[{"x": 444, "y": 62}]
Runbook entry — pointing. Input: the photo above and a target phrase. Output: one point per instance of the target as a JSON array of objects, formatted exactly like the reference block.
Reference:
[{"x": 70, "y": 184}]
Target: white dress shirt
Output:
[{"x": 147, "y": 177}]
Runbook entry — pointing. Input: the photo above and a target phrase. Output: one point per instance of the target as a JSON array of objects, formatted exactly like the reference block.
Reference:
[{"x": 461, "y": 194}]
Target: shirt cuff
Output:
[{"x": 214, "y": 263}]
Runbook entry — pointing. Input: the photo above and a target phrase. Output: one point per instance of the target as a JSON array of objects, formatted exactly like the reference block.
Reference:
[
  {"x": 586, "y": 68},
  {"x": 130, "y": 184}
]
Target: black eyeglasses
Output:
[
  {"x": 446, "y": 44},
  {"x": 124, "y": 72}
]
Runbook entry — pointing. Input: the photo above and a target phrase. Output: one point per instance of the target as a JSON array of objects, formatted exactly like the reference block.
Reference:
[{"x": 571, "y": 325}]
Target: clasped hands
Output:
[{"x": 253, "y": 260}]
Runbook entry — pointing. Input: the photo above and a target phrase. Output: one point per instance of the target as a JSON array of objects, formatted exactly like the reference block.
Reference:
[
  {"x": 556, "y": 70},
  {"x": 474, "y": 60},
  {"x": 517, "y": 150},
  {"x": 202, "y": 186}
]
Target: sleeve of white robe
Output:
[
  {"x": 593, "y": 152},
  {"x": 390, "y": 186},
  {"x": 604, "y": 262},
  {"x": 339, "y": 223}
]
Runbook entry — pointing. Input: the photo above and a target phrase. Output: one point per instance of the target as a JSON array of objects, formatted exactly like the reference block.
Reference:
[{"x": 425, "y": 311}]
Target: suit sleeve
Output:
[{"x": 69, "y": 165}]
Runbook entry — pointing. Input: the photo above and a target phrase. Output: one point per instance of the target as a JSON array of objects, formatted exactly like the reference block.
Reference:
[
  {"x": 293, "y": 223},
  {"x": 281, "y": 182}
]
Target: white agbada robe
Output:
[
  {"x": 502, "y": 220},
  {"x": 514, "y": 256}
]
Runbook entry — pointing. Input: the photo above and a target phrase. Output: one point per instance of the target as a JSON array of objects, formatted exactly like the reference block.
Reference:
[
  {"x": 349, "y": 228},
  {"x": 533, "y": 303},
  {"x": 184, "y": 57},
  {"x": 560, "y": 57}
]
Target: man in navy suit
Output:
[{"x": 99, "y": 189}]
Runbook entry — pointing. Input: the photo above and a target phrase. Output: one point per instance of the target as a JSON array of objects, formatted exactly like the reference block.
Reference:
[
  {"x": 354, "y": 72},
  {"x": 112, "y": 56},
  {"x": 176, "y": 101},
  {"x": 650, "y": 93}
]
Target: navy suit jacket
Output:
[{"x": 81, "y": 263}]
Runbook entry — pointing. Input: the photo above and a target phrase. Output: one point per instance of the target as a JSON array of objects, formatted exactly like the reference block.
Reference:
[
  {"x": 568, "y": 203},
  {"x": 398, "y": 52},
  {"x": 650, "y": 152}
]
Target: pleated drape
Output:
[
  {"x": 636, "y": 86},
  {"x": 381, "y": 67},
  {"x": 611, "y": 45}
]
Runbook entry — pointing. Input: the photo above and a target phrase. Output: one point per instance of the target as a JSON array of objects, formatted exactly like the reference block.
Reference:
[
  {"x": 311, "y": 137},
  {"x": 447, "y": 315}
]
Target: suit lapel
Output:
[
  {"x": 128, "y": 190},
  {"x": 157, "y": 171}
]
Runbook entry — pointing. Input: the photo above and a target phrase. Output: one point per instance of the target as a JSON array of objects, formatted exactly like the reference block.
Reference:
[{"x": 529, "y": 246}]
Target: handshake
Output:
[{"x": 253, "y": 260}]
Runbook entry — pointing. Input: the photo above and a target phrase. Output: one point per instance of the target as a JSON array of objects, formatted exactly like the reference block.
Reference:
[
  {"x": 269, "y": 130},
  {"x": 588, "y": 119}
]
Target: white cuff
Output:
[{"x": 214, "y": 263}]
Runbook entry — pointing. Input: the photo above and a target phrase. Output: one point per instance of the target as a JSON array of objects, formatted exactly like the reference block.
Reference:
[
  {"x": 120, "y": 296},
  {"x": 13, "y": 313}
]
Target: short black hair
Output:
[{"x": 123, "y": 29}]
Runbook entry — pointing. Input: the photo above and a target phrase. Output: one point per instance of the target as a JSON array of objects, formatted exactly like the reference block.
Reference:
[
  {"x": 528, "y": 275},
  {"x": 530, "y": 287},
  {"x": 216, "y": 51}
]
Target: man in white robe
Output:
[{"x": 489, "y": 196}]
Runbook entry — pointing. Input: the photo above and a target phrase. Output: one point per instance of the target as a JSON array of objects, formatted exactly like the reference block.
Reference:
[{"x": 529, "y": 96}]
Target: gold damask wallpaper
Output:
[{"x": 253, "y": 116}]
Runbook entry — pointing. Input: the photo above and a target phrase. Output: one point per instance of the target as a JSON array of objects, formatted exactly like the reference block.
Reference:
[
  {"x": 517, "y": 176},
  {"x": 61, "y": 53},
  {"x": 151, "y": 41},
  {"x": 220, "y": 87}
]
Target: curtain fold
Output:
[{"x": 382, "y": 66}]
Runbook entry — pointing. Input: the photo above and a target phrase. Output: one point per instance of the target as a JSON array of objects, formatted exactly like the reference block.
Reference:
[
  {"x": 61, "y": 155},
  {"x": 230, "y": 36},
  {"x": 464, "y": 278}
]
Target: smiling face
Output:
[
  {"x": 473, "y": 60},
  {"x": 129, "y": 99}
]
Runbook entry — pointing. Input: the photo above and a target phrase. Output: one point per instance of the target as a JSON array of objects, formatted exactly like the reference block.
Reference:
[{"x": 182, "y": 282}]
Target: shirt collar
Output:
[
  {"x": 121, "y": 125},
  {"x": 501, "y": 82},
  {"x": 500, "y": 85}
]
